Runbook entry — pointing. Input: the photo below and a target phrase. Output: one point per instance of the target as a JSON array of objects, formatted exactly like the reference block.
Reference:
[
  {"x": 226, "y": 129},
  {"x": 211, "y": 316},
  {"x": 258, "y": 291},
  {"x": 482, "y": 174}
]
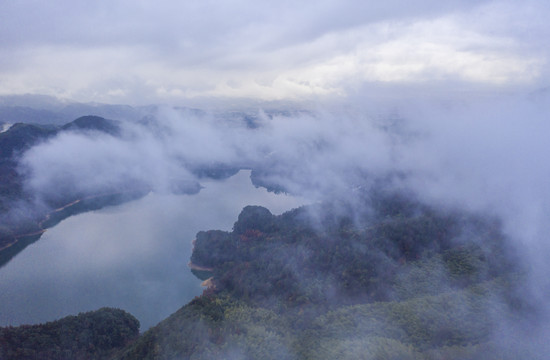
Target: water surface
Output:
[{"x": 132, "y": 256}]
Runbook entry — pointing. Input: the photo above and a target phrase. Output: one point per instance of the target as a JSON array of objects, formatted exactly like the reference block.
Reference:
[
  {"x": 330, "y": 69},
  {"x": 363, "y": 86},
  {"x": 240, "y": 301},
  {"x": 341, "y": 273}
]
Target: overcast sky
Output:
[{"x": 139, "y": 52}]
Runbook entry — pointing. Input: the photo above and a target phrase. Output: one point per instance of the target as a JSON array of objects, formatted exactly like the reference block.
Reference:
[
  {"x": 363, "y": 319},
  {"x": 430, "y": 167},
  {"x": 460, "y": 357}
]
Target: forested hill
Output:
[
  {"x": 399, "y": 280},
  {"x": 91, "y": 335}
]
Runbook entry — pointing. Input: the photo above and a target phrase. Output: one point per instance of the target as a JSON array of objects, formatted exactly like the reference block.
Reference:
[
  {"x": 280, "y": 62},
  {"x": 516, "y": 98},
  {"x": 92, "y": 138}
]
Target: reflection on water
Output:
[{"x": 132, "y": 256}]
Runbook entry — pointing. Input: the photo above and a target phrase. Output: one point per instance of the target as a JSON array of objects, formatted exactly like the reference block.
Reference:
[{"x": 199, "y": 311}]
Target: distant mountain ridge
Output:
[
  {"x": 92, "y": 122},
  {"x": 47, "y": 110}
]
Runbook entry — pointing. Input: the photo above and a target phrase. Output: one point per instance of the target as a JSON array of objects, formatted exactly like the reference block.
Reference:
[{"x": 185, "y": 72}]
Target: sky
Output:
[{"x": 192, "y": 52}]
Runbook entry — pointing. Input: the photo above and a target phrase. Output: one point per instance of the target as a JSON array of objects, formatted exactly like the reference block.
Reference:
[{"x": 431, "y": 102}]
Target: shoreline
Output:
[
  {"x": 199, "y": 267},
  {"x": 42, "y": 224},
  {"x": 209, "y": 283}
]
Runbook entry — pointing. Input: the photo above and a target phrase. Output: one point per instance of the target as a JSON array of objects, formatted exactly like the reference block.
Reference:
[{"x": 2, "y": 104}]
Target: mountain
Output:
[
  {"x": 92, "y": 122},
  {"x": 47, "y": 110},
  {"x": 401, "y": 281}
]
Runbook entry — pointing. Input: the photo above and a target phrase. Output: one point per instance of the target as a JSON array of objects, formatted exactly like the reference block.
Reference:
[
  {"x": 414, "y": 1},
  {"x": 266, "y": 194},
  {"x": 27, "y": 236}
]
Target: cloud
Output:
[
  {"x": 98, "y": 163},
  {"x": 145, "y": 52}
]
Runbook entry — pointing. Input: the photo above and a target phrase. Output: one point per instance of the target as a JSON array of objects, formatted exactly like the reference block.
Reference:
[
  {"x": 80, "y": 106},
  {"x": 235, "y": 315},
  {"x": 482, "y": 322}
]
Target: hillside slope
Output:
[
  {"x": 400, "y": 281},
  {"x": 91, "y": 335}
]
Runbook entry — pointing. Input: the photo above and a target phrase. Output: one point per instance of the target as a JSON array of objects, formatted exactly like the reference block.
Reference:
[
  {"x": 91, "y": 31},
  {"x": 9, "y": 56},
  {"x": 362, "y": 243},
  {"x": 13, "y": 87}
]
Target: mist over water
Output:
[
  {"x": 133, "y": 256},
  {"x": 485, "y": 155}
]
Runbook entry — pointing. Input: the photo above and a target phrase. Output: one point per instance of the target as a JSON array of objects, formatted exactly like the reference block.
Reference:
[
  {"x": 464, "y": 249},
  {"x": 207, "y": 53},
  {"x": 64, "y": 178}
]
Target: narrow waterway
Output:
[{"x": 133, "y": 256}]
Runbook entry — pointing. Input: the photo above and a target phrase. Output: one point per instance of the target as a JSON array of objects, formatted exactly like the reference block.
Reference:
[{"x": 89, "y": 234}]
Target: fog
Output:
[{"x": 484, "y": 155}]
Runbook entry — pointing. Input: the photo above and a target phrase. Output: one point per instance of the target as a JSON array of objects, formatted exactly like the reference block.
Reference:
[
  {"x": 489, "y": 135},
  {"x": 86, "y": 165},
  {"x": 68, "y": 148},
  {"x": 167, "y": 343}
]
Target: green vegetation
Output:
[
  {"x": 400, "y": 281},
  {"x": 91, "y": 335}
]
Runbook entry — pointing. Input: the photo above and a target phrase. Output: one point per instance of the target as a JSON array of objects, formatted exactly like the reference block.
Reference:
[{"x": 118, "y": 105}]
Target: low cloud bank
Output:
[{"x": 486, "y": 156}]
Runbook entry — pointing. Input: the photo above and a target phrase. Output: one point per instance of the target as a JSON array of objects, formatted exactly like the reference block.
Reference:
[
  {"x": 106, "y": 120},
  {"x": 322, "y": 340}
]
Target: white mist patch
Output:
[
  {"x": 92, "y": 163},
  {"x": 5, "y": 127}
]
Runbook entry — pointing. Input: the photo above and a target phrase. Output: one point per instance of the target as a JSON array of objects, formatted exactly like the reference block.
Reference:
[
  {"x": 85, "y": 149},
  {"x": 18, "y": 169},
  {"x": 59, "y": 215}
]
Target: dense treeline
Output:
[
  {"x": 369, "y": 259},
  {"x": 91, "y": 335},
  {"x": 399, "y": 280}
]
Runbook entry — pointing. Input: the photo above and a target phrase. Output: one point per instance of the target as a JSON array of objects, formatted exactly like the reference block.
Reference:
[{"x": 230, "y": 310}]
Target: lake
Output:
[{"x": 132, "y": 256}]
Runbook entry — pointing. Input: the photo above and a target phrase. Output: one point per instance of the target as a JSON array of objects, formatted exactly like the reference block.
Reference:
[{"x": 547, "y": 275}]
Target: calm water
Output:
[{"x": 132, "y": 256}]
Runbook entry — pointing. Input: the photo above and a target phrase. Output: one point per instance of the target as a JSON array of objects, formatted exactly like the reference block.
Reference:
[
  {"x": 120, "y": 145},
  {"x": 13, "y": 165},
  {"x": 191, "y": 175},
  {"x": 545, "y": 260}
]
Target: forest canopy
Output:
[
  {"x": 402, "y": 280},
  {"x": 90, "y": 335}
]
